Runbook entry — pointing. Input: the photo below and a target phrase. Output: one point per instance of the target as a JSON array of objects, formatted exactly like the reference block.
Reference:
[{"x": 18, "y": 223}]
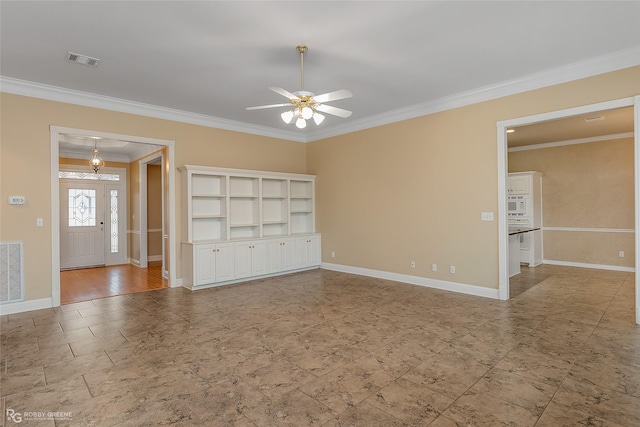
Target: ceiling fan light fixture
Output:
[
  {"x": 306, "y": 113},
  {"x": 305, "y": 104},
  {"x": 287, "y": 116}
]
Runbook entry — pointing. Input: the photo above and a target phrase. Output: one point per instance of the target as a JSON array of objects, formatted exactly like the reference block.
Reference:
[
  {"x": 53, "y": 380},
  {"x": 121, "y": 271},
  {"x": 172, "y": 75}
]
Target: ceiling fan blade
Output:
[
  {"x": 283, "y": 92},
  {"x": 334, "y": 110},
  {"x": 333, "y": 96},
  {"x": 259, "y": 107}
]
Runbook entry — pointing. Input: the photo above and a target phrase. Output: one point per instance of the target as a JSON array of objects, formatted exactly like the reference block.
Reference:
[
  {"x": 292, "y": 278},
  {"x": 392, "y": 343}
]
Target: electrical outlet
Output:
[
  {"x": 333, "y": 254},
  {"x": 452, "y": 269},
  {"x": 621, "y": 254},
  {"x": 434, "y": 267},
  {"x": 413, "y": 264}
]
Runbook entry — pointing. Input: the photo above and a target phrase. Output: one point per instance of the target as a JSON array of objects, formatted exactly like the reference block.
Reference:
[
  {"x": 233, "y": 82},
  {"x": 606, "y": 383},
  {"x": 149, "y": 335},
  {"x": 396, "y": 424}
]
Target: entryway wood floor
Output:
[{"x": 100, "y": 282}]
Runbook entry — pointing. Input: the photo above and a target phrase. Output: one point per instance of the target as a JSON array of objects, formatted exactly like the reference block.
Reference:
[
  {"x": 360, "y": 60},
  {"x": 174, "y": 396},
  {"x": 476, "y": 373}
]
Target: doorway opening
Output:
[
  {"x": 95, "y": 214},
  {"x": 503, "y": 171}
]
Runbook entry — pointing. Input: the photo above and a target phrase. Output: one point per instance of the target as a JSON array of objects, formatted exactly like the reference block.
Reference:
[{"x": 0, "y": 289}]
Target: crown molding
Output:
[
  {"x": 615, "y": 61},
  {"x": 87, "y": 99},
  {"x": 586, "y": 140},
  {"x": 571, "y": 142},
  {"x": 599, "y": 65}
]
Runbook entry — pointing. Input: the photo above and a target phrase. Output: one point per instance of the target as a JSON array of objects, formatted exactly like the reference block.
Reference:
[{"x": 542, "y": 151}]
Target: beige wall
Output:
[
  {"x": 414, "y": 190},
  {"x": 408, "y": 190},
  {"x": 25, "y": 160},
  {"x": 585, "y": 186}
]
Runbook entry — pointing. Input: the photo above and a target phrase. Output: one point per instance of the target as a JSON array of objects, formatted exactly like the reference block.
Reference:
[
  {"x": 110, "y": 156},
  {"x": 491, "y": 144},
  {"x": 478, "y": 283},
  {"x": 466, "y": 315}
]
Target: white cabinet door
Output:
[
  {"x": 250, "y": 259},
  {"x": 214, "y": 263},
  {"x": 282, "y": 255},
  {"x": 259, "y": 258},
  {"x": 225, "y": 266},
  {"x": 307, "y": 251},
  {"x": 205, "y": 264},
  {"x": 519, "y": 184},
  {"x": 243, "y": 259}
]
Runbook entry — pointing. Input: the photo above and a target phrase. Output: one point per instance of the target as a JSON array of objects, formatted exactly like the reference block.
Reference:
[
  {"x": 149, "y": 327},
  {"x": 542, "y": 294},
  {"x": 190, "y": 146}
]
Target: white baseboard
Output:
[
  {"x": 135, "y": 262},
  {"x": 154, "y": 258},
  {"x": 462, "y": 288},
  {"x": 30, "y": 305},
  {"x": 585, "y": 265},
  {"x": 177, "y": 283}
]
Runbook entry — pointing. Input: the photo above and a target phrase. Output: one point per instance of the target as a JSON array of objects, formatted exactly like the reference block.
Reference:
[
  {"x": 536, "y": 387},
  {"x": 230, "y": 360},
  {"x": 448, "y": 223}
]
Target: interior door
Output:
[{"x": 82, "y": 225}]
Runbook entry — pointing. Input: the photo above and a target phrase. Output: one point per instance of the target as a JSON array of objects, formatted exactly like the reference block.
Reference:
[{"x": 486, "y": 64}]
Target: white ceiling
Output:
[{"x": 206, "y": 61}]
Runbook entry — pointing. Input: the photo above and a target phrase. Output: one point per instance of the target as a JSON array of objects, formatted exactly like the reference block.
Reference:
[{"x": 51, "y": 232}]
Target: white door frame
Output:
[
  {"x": 503, "y": 225},
  {"x": 144, "y": 226},
  {"x": 55, "y": 204}
]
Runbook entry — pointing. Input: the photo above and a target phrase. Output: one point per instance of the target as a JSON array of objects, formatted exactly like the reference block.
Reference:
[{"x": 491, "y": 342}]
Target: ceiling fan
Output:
[{"x": 307, "y": 105}]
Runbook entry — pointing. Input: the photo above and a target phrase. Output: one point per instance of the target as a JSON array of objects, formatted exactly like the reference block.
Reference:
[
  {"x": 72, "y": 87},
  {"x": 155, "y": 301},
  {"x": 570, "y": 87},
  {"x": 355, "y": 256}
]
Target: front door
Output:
[{"x": 82, "y": 227}]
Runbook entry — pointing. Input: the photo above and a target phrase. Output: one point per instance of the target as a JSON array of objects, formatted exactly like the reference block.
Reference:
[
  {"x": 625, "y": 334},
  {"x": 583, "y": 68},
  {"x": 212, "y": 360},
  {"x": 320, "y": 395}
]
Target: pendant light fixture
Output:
[{"x": 96, "y": 161}]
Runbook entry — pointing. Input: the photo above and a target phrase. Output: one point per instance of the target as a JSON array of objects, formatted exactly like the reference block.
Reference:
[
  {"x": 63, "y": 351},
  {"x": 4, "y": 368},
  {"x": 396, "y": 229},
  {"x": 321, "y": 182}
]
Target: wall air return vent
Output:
[
  {"x": 11, "y": 272},
  {"x": 82, "y": 59}
]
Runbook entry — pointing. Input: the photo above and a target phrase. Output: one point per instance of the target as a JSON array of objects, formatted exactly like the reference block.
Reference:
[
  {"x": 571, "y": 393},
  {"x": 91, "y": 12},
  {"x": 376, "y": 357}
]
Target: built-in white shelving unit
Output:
[{"x": 242, "y": 224}]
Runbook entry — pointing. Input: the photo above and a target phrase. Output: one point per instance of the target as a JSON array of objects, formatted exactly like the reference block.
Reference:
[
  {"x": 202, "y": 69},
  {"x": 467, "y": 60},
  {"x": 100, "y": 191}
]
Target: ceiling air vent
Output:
[{"x": 82, "y": 59}]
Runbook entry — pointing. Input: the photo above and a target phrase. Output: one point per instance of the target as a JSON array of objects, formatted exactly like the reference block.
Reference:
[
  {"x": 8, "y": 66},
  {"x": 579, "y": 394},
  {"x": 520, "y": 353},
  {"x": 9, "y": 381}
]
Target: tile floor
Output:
[{"x": 331, "y": 349}]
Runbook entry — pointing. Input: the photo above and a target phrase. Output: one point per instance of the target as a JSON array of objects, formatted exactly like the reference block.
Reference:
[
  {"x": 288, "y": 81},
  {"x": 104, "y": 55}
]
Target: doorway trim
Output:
[
  {"x": 144, "y": 226},
  {"x": 55, "y": 132},
  {"x": 503, "y": 225}
]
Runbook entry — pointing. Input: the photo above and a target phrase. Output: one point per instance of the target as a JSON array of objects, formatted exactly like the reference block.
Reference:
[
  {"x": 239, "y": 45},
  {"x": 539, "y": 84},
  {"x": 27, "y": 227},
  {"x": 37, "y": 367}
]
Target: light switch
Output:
[
  {"x": 486, "y": 216},
  {"x": 40, "y": 222}
]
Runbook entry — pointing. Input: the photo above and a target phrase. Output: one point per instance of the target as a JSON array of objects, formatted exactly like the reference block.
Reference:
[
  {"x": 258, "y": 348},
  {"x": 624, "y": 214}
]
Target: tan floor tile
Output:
[
  {"x": 413, "y": 348},
  {"x": 118, "y": 377},
  {"x": 601, "y": 402},
  {"x": 66, "y": 369},
  {"x": 17, "y": 381},
  {"x": 352, "y": 383},
  {"x": 556, "y": 415},
  {"x": 112, "y": 340},
  {"x": 169, "y": 412},
  {"x": 56, "y": 339},
  {"x": 105, "y": 410},
  {"x": 225, "y": 402},
  {"x": 291, "y": 409},
  {"x": 278, "y": 378},
  {"x": 160, "y": 388},
  {"x": 58, "y": 397},
  {"x": 524, "y": 392},
  {"x": 328, "y": 347},
  {"x": 547, "y": 367},
  {"x": 410, "y": 402},
  {"x": 450, "y": 376},
  {"x": 485, "y": 410},
  {"x": 365, "y": 414}
]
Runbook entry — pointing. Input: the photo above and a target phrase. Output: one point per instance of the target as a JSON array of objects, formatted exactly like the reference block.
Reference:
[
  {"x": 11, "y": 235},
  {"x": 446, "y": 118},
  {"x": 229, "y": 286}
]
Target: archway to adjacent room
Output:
[
  {"x": 162, "y": 154},
  {"x": 502, "y": 126}
]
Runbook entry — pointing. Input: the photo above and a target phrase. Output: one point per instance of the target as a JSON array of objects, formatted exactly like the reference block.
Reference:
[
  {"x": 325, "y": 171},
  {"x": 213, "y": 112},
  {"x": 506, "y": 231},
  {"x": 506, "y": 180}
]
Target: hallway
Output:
[{"x": 100, "y": 282}]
